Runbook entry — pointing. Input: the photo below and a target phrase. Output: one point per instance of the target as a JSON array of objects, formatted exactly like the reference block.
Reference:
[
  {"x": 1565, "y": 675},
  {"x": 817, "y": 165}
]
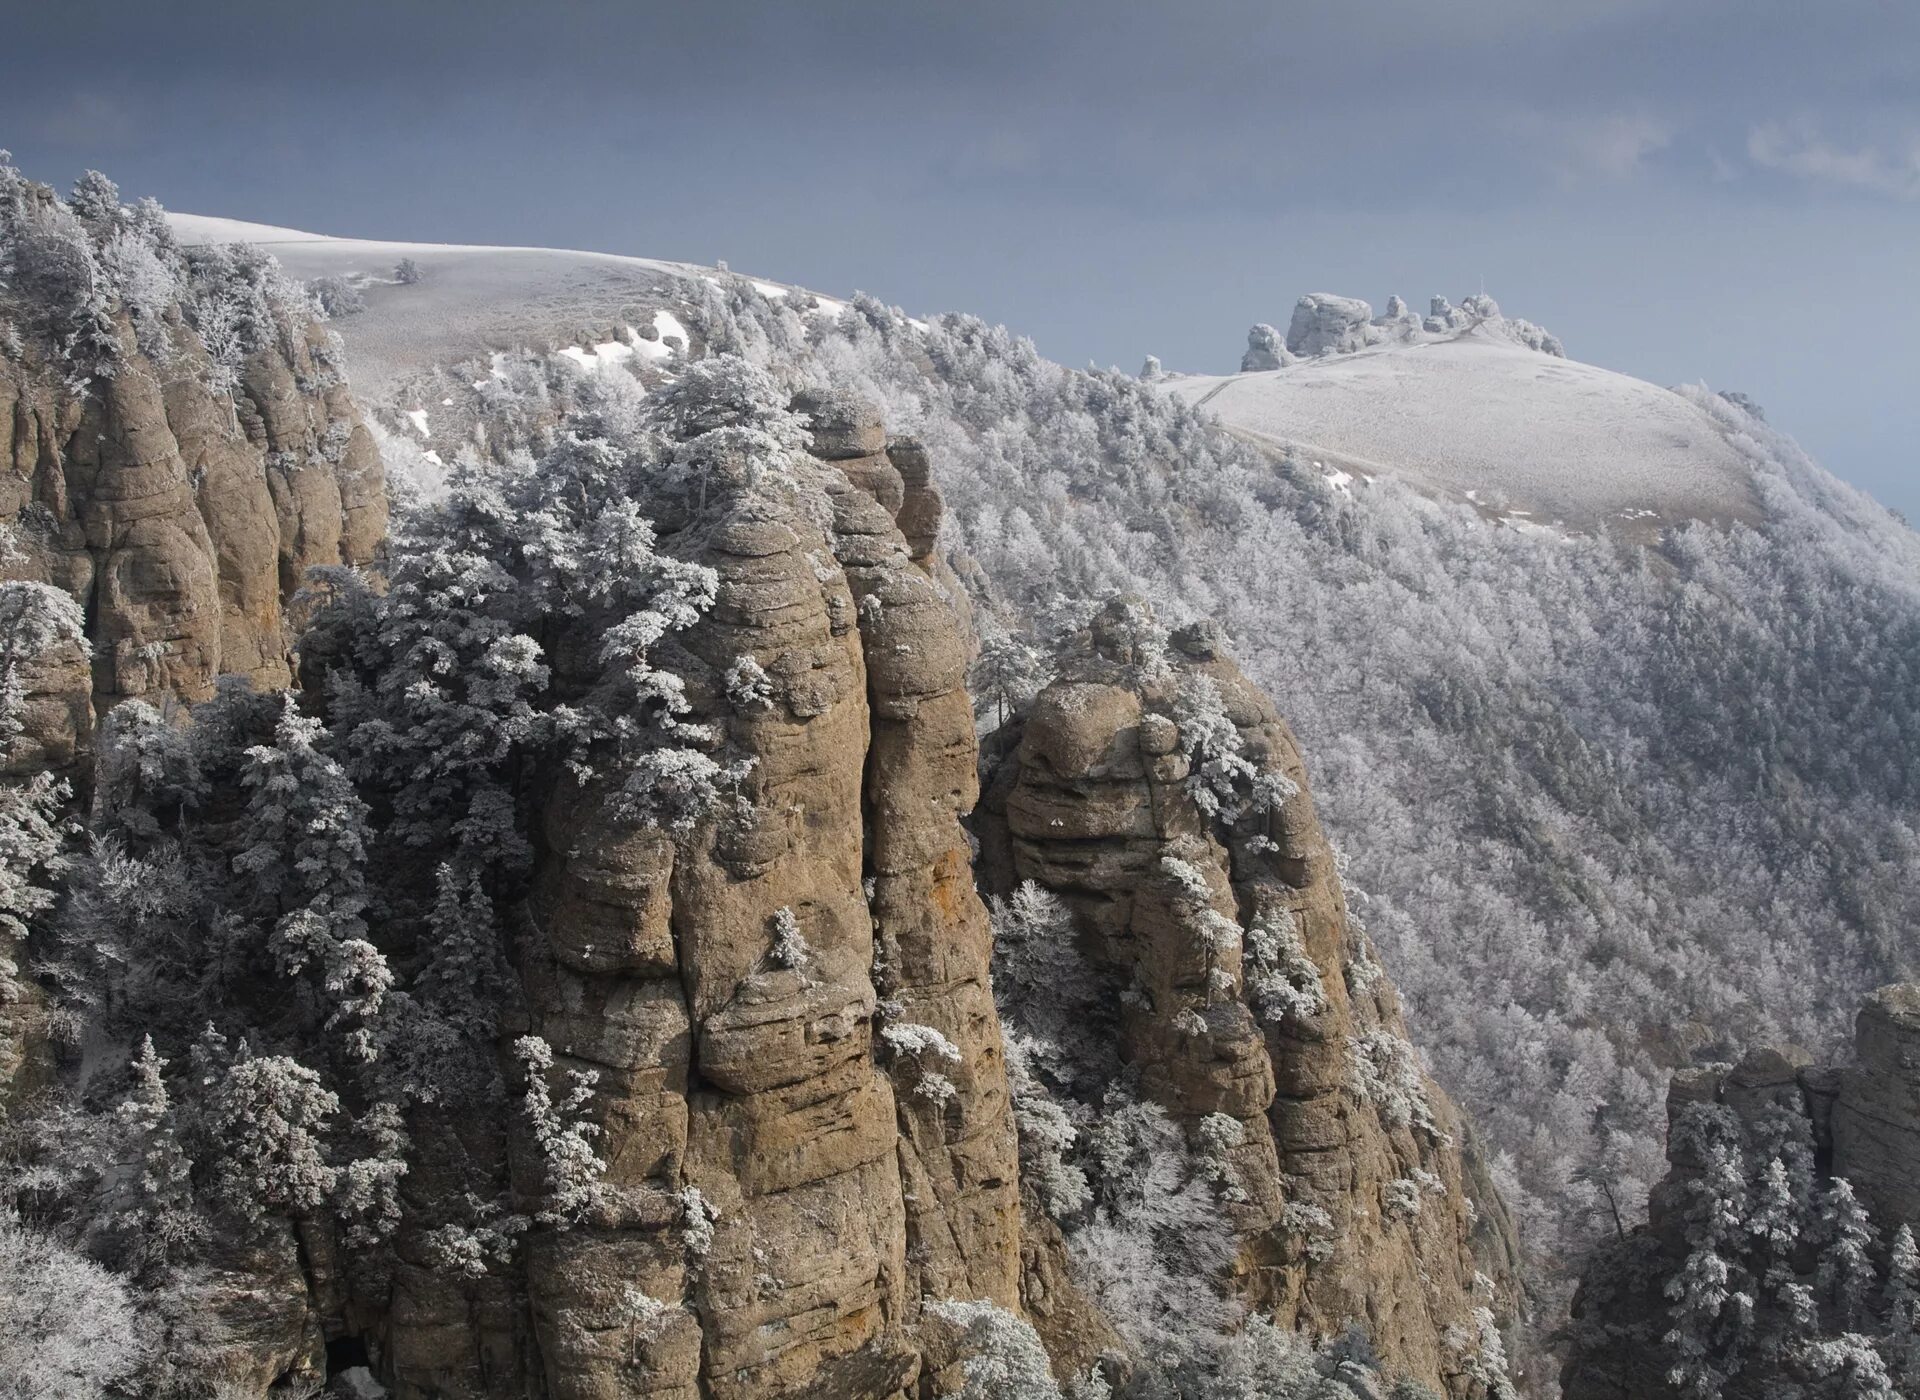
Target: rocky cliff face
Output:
[
  {"x": 776, "y": 1154},
  {"x": 801, "y": 1087},
  {"x": 776, "y": 1020},
  {"x": 1157, "y": 791},
  {"x": 1830, "y": 1135},
  {"x": 181, "y": 517}
]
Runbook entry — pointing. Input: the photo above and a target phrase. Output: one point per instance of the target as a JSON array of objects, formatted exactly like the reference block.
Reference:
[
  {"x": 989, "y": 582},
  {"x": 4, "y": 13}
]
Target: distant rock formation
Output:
[
  {"x": 1324, "y": 324},
  {"x": 1265, "y": 350}
]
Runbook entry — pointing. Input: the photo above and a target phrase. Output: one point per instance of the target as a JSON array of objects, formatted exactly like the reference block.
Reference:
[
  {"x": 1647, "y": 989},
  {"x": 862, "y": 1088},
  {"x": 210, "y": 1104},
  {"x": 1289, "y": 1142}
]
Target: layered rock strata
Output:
[
  {"x": 183, "y": 519},
  {"x": 1249, "y": 991},
  {"x": 800, "y": 1092}
]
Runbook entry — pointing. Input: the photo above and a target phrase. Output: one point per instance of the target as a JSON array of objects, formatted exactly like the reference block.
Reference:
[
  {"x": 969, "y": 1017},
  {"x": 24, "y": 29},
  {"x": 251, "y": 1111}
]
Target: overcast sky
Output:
[{"x": 1717, "y": 190}]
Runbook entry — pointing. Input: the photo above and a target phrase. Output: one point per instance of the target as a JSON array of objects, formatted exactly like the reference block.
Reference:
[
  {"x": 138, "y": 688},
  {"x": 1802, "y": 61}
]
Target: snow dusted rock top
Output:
[
  {"x": 1324, "y": 323},
  {"x": 1264, "y": 350}
]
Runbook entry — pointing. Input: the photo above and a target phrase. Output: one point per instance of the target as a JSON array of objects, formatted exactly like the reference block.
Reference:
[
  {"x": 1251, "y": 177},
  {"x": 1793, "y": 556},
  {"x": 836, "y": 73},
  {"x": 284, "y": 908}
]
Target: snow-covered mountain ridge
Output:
[{"x": 1465, "y": 403}]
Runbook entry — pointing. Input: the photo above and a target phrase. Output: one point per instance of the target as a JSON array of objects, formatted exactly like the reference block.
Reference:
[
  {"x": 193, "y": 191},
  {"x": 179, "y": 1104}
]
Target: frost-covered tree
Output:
[
  {"x": 35, "y": 622},
  {"x": 1008, "y": 672},
  {"x": 1845, "y": 1238},
  {"x": 151, "y": 1204},
  {"x": 68, "y": 1328},
  {"x": 267, "y": 1125},
  {"x": 561, "y": 1132},
  {"x": 306, "y": 861},
  {"x": 457, "y": 993}
]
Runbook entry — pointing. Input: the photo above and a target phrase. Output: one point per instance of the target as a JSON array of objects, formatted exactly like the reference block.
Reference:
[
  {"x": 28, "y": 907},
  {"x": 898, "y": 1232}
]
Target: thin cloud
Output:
[
  {"x": 1613, "y": 147},
  {"x": 1800, "y": 151},
  {"x": 93, "y": 119}
]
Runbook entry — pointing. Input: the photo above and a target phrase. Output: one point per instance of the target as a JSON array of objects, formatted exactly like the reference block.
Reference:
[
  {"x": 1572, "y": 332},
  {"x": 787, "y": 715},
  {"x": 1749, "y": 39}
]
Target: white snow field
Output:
[
  {"x": 1524, "y": 436},
  {"x": 473, "y": 298}
]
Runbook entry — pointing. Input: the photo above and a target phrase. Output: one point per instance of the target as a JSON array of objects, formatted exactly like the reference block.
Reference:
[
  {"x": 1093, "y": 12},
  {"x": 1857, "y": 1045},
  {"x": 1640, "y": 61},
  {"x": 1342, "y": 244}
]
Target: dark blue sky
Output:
[{"x": 1718, "y": 190}]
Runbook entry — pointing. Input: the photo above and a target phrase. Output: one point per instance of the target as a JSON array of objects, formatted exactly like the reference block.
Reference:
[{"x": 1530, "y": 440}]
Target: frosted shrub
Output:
[
  {"x": 1313, "y": 1225},
  {"x": 1002, "y": 1357},
  {"x": 1482, "y": 1355},
  {"x": 562, "y": 1134},
  {"x": 486, "y": 1236},
  {"x": 1222, "y": 781},
  {"x": 697, "y": 1218},
  {"x": 1217, "y": 1135},
  {"x": 268, "y": 1121},
  {"x": 912, "y": 1042},
  {"x": 911, "y": 1039},
  {"x": 1044, "y": 987},
  {"x": 1385, "y": 1071},
  {"x": 1046, "y": 1136},
  {"x": 749, "y": 686},
  {"x": 1188, "y": 881},
  {"x": 789, "y": 949},
  {"x": 1283, "y": 980},
  {"x": 645, "y": 1318},
  {"x": 1400, "y": 1199},
  {"x": 68, "y": 1328},
  {"x": 1151, "y": 1250}
]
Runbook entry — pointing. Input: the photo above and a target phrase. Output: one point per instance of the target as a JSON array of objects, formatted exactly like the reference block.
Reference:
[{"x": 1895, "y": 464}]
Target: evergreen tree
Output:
[
  {"x": 1845, "y": 1236},
  {"x": 151, "y": 1204},
  {"x": 307, "y": 862},
  {"x": 267, "y": 1125}
]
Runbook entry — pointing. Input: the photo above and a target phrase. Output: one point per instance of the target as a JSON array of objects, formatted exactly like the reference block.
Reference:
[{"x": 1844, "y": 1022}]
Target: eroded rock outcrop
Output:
[
  {"x": 181, "y": 517},
  {"x": 1156, "y": 790},
  {"x": 1325, "y": 324},
  {"x": 1265, "y": 350},
  {"x": 801, "y": 1097},
  {"x": 1767, "y": 1159},
  {"x": 180, "y": 503}
]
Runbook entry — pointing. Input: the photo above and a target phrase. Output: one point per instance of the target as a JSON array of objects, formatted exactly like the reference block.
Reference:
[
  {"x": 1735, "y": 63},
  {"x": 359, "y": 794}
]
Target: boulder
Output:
[
  {"x": 1265, "y": 350},
  {"x": 1324, "y": 324}
]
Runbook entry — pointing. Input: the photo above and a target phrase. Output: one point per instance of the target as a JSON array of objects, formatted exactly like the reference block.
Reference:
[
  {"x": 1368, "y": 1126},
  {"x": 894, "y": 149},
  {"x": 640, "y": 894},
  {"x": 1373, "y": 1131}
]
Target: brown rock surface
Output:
[
  {"x": 1097, "y": 804},
  {"x": 843, "y": 1193},
  {"x": 181, "y": 518}
]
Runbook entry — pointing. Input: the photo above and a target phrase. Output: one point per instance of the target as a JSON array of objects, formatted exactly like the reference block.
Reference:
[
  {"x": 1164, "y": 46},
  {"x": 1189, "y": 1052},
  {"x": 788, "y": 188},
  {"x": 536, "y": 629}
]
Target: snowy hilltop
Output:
[{"x": 1473, "y": 406}]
